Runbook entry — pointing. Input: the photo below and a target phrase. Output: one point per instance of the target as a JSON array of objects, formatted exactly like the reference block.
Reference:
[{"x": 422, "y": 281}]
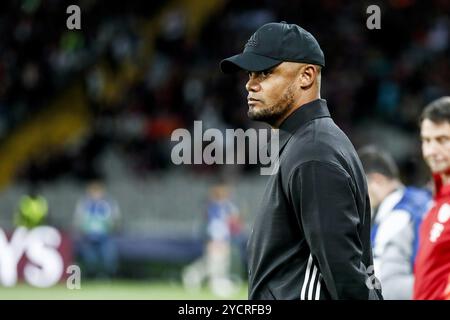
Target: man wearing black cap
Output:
[{"x": 311, "y": 237}]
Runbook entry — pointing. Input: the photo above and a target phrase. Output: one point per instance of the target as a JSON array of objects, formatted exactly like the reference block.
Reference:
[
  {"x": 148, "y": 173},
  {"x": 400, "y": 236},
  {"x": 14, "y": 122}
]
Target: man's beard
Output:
[{"x": 273, "y": 113}]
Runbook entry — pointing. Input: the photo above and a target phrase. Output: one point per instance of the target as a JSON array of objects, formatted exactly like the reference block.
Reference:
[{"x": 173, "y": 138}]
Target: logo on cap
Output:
[{"x": 253, "y": 41}]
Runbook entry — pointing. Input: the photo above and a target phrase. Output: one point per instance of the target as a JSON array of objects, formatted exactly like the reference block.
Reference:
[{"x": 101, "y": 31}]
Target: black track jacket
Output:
[{"x": 311, "y": 236}]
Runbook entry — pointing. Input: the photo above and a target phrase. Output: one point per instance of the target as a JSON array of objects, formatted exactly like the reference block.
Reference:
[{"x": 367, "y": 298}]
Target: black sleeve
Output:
[{"x": 324, "y": 203}]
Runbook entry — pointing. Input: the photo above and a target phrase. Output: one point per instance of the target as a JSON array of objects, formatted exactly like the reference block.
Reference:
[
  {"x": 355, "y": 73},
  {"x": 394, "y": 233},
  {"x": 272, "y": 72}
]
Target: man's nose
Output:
[{"x": 252, "y": 85}]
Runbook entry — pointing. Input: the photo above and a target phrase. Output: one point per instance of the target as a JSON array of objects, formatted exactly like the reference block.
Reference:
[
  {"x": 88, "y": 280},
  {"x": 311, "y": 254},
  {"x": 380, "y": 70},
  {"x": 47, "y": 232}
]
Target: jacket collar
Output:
[{"x": 302, "y": 115}]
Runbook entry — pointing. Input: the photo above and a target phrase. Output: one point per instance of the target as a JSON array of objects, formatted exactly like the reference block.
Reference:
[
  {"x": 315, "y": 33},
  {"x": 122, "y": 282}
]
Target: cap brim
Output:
[{"x": 247, "y": 61}]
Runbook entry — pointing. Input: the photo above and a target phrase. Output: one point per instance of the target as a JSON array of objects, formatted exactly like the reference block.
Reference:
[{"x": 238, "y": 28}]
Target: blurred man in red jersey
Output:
[{"x": 432, "y": 268}]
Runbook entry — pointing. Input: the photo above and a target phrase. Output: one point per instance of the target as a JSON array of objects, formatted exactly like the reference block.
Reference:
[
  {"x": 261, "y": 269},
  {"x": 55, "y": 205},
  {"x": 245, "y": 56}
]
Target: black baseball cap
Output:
[{"x": 272, "y": 44}]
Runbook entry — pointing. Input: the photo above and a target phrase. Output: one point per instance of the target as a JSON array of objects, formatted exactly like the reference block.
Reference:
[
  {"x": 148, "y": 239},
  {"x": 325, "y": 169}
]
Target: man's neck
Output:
[{"x": 393, "y": 186}]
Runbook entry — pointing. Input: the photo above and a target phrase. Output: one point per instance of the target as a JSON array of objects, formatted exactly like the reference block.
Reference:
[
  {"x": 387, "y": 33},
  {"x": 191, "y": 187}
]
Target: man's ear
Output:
[{"x": 308, "y": 75}]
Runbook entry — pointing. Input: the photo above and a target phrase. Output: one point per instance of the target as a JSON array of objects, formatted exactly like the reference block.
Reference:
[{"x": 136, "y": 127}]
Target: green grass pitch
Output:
[{"x": 115, "y": 290}]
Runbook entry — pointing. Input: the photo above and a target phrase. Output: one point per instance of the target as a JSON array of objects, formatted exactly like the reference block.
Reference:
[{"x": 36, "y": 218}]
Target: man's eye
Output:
[
  {"x": 262, "y": 74},
  {"x": 424, "y": 140},
  {"x": 443, "y": 139}
]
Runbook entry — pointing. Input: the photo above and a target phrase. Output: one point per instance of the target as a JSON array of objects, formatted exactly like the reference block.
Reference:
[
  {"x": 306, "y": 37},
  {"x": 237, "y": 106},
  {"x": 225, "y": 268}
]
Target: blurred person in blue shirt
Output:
[
  {"x": 397, "y": 212},
  {"x": 96, "y": 219},
  {"x": 222, "y": 231}
]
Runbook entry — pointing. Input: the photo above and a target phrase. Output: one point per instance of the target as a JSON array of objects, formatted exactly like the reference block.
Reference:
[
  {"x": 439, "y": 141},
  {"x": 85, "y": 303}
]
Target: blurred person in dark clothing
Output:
[{"x": 311, "y": 237}]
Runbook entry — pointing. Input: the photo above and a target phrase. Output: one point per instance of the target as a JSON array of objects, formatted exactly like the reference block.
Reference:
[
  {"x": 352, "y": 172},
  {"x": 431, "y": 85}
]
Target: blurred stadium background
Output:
[{"x": 100, "y": 103}]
